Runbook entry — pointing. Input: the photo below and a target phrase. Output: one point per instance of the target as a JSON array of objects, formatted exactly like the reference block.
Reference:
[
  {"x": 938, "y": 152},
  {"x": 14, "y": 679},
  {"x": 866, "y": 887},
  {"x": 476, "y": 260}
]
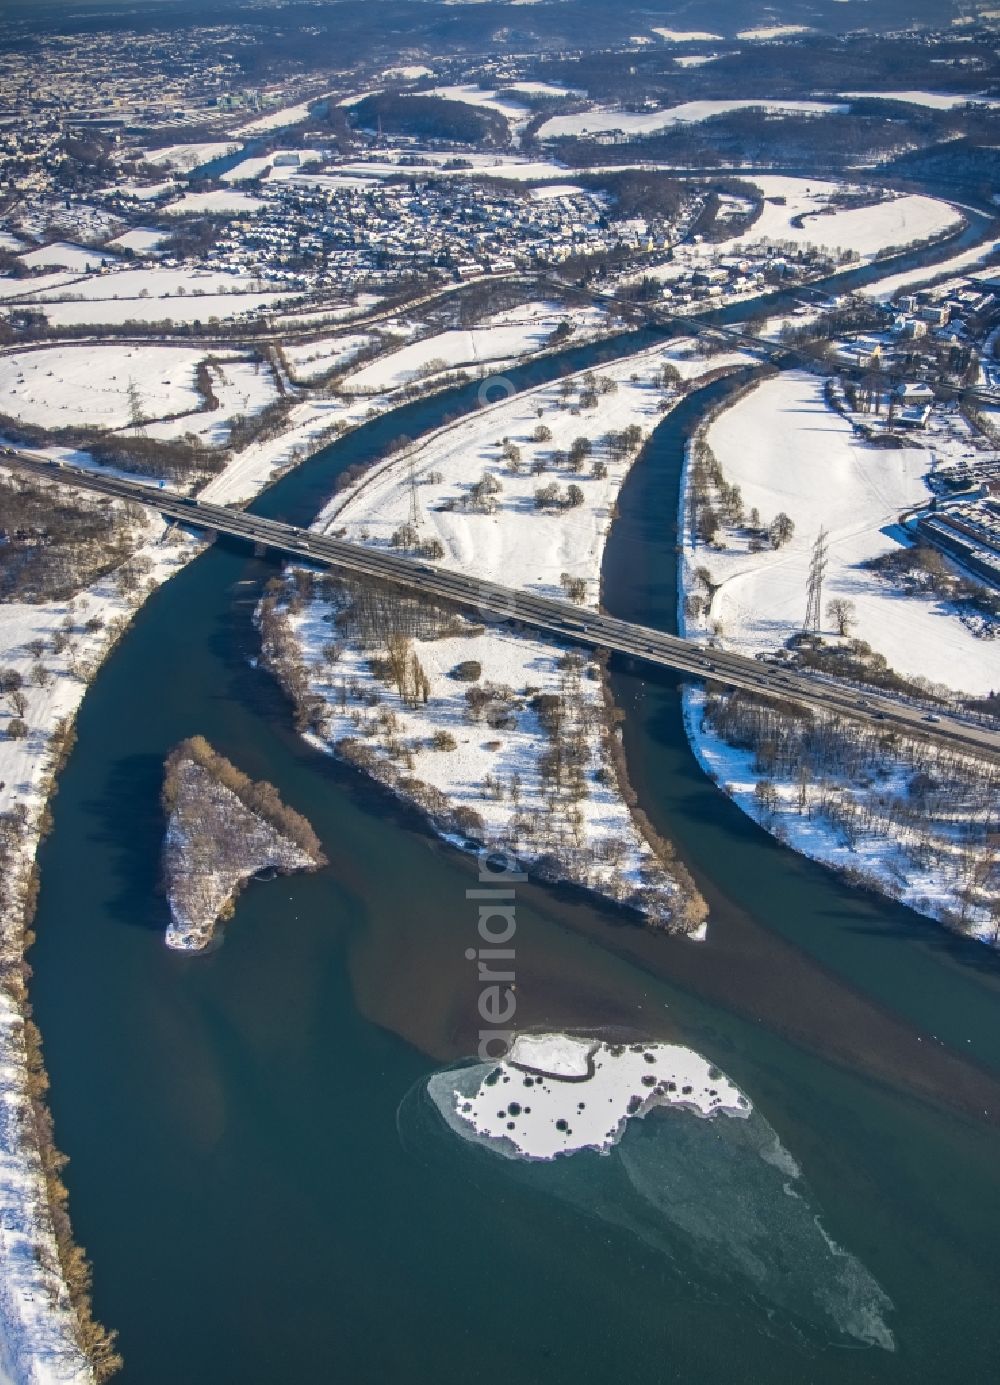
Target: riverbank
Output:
[
  {"x": 45, "y": 1305},
  {"x": 898, "y": 817},
  {"x": 493, "y": 734},
  {"x": 77, "y": 634},
  {"x": 171, "y": 673},
  {"x": 272, "y": 1074}
]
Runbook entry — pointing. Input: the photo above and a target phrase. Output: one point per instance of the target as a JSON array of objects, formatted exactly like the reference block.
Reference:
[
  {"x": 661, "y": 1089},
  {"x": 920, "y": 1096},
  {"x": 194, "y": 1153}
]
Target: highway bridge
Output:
[{"x": 493, "y": 603}]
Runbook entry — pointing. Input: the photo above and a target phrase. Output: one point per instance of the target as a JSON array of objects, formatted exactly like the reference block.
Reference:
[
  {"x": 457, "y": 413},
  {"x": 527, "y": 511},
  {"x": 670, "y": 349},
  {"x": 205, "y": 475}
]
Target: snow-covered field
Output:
[
  {"x": 503, "y": 337},
  {"x": 117, "y": 312},
  {"x": 499, "y": 102},
  {"x": 243, "y": 388},
  {"x": 151, "y": 295},
  {"x": 542, "y": 89},
  {"x": 81, "y": 259},
  {"x": 279, "y": 119},
  {"x": 689, "y": 112},
  {"x": 555, "y": 1094},
  {"x": 311, "y": 359},
  {"x": 409, "y": 73},
  {"x": 789, "y": 452},
  {"x": 217, "y": 202},
  {"x": 962, "y": 263},
  {"x": 22, "y": 761},
  {"x": 184, "y": 157},
  {"x": 63, "y": 386},
  {"x": 686, "y": 35},
  {"x": 933, "y": 100},
  {"x": 11, "y": 288},
  {"x": 868, "y": 231},
  {"x": 772, "y": 31},
  {"x": 143, "y": 240},
  {"x": 151, "y": 283},
  {"x": 268, "y": 165},
  {"x": 517, "y": 544},
  {"x": 480, "y": 165}
]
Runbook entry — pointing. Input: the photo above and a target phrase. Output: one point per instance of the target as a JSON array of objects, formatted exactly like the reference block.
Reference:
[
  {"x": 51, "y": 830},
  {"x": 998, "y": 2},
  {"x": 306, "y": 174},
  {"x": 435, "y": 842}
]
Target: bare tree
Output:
[{"x": 843, "y": 613}]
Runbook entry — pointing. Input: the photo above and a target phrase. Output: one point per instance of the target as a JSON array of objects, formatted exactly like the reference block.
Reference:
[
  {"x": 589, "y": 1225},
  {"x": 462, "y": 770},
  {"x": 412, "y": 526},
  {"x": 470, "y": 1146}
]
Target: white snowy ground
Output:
[
  {"x": 689, "y": 112},
  {"x": 184, "y": 157},
  {"x": 65, "y": 386},
  {"x": 37, "y": 1346},
  {"x": 773, "y": 31},
  {"x": 934, "y": 100},
  {"x": 896, "y": 220},
  {"x": 789, "y": 452},
  {"x": 148, "y": 295},
  {"x": 502, "y": 337},
  {"x": 523, "y": 547},
  {"x": 11, "y": 288},
  {"x": 265, "y": 166},
  {"x": 967, "y": 260},
  {"x": 22, "y": 763},
  {"x": 541, "y": 89},
  {"x": 216, "y": 202},
  {"x": 64, "y": 255},
  {"x": 878, "y": 854},
  {"x": 556, "y": 1094},
  {"x": 508, "y": 166},
  {"x": 519, "y": 545},
  {"x": 499, "y": 102},
  {"x": 310, "y": 359},
  {"x": 687, "y": 35},
  {"x": 143, "y": 240},
  {"x": 279, "y": 119}
]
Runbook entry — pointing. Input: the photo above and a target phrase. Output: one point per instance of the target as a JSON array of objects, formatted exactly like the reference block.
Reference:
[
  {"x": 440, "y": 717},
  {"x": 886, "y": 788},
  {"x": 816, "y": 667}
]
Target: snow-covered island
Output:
[
  {"x": 556, "y": 1094},
  {"x": 222, "y": 829},
  {"x": 496, "y": 735}
]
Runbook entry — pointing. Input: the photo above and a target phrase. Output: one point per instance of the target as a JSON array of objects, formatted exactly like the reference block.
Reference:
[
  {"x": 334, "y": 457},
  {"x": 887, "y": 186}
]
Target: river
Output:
[{"x": 267, "y": 1195}]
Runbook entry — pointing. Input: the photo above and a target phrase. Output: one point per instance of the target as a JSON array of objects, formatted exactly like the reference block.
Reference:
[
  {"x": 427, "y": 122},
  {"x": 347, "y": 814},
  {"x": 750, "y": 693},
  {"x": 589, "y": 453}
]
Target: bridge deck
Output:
[{"x": 493, "y": 602}]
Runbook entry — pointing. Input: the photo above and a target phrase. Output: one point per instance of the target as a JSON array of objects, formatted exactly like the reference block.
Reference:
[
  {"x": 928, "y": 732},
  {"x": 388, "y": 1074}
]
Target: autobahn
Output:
[{"x": 497, "y": 604}]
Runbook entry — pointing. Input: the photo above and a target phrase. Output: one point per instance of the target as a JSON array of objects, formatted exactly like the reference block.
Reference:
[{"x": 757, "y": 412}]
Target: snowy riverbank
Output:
[
  {"x": 73, "y": 636},
  {"x": 495, "y": 734},
  {"x": 904, "y": 819}
]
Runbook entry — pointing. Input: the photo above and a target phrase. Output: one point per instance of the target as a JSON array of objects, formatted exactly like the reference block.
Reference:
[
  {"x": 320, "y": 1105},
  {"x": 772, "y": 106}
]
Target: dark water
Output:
[{"x": 269, "y": 1197}]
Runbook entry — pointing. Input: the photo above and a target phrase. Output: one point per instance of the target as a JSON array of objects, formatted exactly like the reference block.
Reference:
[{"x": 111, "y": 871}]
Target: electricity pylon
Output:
[
  {"x": 817, "y": 571},
  {"x": 414, "y": 499}
]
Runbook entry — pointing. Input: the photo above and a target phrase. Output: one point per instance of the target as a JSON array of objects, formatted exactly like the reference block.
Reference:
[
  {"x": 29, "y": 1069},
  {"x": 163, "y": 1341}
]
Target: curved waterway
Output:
[{"x": 268, "y": 1195}]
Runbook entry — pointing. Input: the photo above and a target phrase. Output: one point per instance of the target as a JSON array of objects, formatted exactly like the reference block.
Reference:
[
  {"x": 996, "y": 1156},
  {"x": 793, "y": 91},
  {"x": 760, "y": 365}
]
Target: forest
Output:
[
  {"x": 259, "y": 798},
  {"x": 54, "y": 542},
  {"x": 431, "y": 117}
]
